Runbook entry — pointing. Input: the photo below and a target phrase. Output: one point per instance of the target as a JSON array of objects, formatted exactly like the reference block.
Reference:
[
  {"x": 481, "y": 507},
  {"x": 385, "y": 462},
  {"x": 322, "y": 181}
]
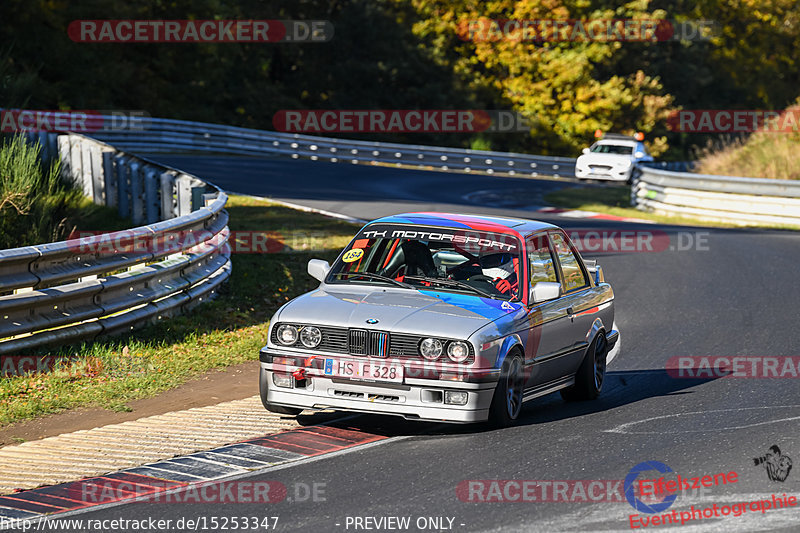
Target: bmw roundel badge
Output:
[{"x": 372, "y": 321}]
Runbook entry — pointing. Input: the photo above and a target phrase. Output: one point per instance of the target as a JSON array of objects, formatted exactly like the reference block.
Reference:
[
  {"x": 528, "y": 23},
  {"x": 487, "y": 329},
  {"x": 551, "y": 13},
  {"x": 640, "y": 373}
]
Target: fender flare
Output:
[
  {"x": 595, "y": 329},
  {"x": 509, "y": 343}
]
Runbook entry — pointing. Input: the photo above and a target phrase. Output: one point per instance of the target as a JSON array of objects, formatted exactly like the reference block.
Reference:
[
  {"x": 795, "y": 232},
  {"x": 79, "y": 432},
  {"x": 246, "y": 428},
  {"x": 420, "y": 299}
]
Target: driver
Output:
[
  {"x": 502, "y": 271},
  {"x": 504, "y": 275}
]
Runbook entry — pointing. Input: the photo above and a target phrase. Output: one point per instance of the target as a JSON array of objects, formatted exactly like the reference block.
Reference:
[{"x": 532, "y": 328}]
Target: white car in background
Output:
[{"x": 612, "y": 158}]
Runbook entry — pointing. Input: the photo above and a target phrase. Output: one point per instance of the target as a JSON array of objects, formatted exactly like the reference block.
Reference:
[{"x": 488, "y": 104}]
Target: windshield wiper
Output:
[
  {"x": 372, "y": 275},
  {"x": 455, "y": 283}
]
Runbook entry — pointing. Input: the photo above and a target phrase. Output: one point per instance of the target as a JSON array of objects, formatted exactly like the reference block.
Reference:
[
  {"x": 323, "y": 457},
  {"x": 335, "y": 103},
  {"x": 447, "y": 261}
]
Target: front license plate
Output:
[{"x": 366, "y": 370}]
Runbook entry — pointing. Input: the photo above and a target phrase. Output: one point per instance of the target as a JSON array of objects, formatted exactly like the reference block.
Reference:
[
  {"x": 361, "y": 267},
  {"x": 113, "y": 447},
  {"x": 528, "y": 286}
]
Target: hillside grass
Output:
[{"x": 764, "y": 154}]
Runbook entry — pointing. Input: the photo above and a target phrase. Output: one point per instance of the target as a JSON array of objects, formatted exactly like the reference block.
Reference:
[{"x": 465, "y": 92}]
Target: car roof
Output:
[
  {"x": 618, "y": 136},
  {"x": 475, "y": 222},
  {"x": 619, "y": 142}
]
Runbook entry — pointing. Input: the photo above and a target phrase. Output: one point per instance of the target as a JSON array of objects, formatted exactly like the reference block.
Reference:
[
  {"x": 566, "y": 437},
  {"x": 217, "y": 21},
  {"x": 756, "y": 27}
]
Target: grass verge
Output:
[
  {"x": 223, "y": 332},
  {"x": 616, "y": 201}
]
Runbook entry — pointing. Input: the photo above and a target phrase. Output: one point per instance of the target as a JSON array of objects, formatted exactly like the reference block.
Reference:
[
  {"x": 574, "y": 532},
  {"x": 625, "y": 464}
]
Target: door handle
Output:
[
  {"x": 569, "y": 311},
  {"x": 570, "y": 314}
]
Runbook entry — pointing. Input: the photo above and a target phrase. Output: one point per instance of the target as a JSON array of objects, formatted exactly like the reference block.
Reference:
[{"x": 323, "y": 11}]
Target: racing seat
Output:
[{"x": 416, "y": 257}]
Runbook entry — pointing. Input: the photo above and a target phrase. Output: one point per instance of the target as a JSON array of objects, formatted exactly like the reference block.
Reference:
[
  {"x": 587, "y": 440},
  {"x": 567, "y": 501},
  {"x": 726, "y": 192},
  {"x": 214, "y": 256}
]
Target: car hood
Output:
[
  {"x": 607, "y": 159},
  {"x": 427, "y": 312}
]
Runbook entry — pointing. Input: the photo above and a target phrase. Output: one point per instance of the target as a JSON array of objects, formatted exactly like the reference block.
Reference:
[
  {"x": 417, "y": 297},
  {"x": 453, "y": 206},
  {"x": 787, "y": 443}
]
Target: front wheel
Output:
[
  {"x": 263, "y": 386},
  {"x": 591, "y": 374},
  {"x": 507, "y": 399}
]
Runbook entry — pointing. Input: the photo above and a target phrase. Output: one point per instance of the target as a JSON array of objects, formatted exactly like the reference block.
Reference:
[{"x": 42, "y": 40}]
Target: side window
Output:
[
  {"x": 571, "y": 272},
  {"x": 542, "y": 266}
]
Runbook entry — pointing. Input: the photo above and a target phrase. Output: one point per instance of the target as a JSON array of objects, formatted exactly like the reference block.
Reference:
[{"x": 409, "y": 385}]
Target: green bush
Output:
[{"x": 36, "y": 205}]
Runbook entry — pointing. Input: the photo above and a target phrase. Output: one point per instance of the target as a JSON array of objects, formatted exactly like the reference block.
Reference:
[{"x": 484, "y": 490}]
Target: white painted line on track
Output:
[
  {"x": 624, "y": 428},
  {"x": 305, "y": 208}
]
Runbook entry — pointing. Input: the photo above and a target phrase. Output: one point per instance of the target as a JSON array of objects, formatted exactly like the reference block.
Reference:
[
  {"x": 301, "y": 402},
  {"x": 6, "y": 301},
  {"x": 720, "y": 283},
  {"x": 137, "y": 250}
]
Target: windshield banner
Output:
[{"x": 472, "y": 241}]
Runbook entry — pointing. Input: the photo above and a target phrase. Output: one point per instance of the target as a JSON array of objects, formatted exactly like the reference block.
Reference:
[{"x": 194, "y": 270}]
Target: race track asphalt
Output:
[{"x": 730, "y": 292}]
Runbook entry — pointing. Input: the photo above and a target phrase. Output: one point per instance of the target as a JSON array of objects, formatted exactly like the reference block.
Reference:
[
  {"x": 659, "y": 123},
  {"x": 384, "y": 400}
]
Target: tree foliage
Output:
[{"x": 410, "y": 54}]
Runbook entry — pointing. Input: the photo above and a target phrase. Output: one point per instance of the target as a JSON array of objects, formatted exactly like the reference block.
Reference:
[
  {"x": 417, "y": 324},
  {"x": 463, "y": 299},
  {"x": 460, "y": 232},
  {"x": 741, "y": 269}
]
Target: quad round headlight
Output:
[
  {"x": 430, "y": 349},
  {"x": 310, "y": 336},
  {"x": 457, "y": 351},
  {"x": 287, "y": 334}
]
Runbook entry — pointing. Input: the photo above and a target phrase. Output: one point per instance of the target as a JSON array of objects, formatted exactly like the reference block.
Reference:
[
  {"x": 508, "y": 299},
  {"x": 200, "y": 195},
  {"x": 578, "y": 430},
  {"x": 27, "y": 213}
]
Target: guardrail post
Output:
[
  {"x": 167, "y": 195},
  {"x": 52, "y": 146},
  {"x": 183, "y": 184},
  {"x": 86, "y": 168},
  {"x": 151, "y": 203},
  {"x": 63, "y": 154},
  {"x": 44, "y": 153},
  {"x": 97, "y": 171},
  {"x": 208, "y": 198},
  {"x": 137, "y": 202},
  {"x": 75, "y": 162},
  {"x": 123, "y": 186},
  {"x": 109, "y": 179},
  {"x": 197, "y": 197}
]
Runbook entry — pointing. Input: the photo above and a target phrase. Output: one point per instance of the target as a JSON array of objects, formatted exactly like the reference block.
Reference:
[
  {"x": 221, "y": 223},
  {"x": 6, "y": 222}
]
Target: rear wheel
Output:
[
  {"x": 591, "y": 374},
  {"x": 263, "y": 385},
  {"x": 507, "y": 399}
]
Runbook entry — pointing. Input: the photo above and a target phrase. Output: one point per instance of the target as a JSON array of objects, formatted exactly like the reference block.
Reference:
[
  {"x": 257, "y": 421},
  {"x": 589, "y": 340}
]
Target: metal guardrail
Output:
[
  {"x": 169, "y": 136},
  {"x": 676, "y": 166},
  {"x": 80, "y": 288},
  {"x": 718, "y": 198}
]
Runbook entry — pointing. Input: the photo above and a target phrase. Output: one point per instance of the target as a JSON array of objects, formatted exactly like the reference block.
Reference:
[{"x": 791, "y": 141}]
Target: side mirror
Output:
[
  {"x": 585, "y": 150},
  {"x": 638, "y": 155},
  {"x": 318, "y": 269},
  {"x": 543, "y": 291},
  {"x": 598, "y": 276},
  {"x": 595, "y": 269}
]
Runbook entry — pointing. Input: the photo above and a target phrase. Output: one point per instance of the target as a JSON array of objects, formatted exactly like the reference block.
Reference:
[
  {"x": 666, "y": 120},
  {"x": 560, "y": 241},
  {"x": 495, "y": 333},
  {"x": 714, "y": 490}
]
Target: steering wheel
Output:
[
  {"x": 481, "y": 277},
  {"x": 458, "y": 267}
]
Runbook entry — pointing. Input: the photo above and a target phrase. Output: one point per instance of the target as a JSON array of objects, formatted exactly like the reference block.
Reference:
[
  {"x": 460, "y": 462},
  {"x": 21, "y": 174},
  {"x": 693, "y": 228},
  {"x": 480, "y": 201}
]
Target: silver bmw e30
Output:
[{"x": 443, "y": 317}]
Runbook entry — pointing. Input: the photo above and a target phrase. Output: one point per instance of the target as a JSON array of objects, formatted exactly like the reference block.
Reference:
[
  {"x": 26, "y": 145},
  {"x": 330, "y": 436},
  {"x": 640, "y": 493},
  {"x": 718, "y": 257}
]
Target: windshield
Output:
[
  {"x": 612, "y": 149},
  {"x": 445, "y": 259}
]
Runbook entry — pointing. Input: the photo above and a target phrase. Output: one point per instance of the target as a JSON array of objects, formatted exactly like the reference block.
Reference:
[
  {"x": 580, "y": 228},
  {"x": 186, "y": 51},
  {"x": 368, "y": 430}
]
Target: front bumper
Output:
[
  {"x": 614, "y": 342},
  {"x": 414, "y": 399},
  {"x": 613, "y": 174}
]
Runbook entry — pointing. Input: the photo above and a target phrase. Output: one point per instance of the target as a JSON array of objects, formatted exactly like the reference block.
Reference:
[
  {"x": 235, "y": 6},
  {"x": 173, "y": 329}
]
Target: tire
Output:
[
  {"x": 263, "y": 386},
  {"x": 591, "y": 374},
  {"x": 507, "y": 399}
]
